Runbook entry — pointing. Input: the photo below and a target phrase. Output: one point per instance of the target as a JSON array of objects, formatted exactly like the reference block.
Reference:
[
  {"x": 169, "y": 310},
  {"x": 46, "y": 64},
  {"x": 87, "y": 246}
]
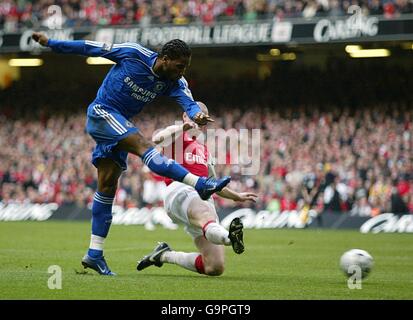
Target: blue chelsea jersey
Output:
[{"x": 131, "y": 83}]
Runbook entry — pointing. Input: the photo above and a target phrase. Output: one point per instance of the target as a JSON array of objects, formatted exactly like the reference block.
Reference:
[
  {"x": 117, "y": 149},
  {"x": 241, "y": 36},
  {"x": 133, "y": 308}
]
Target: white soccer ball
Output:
[{"x": 356, "y": 260}]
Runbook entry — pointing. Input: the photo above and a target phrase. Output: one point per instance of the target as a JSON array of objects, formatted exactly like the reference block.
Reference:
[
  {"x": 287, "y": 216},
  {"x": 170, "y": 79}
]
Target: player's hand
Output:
[
  {"x": 188, "y": 126},
  {"x": 247, "y": 196},
  {"x": 40, "y": 38},
  {"x": 202, "y": 119}
]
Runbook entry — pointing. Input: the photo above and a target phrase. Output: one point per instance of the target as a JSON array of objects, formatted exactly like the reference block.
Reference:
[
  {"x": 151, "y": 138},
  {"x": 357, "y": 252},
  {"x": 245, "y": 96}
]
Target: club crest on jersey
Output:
[{"x": 159, "y": 86}]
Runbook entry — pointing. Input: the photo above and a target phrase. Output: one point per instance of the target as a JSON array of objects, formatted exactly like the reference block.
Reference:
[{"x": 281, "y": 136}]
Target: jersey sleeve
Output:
[
  {"x": 183, "y": 96},
  {"x": 114, "y": 52}
]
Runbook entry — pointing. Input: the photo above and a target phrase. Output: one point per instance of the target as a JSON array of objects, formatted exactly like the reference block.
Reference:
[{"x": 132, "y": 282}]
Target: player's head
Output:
[
  {"x": 175, "y": 56},
  {"x": 204, "y": 109}
]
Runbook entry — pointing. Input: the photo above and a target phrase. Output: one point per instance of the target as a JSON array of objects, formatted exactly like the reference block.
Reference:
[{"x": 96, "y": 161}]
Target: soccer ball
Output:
[{"x": 353, "y": 259}]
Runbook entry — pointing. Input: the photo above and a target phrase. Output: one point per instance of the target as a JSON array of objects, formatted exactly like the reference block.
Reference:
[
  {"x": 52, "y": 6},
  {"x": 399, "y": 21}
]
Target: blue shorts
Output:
[{"x": 107, "y": 127}]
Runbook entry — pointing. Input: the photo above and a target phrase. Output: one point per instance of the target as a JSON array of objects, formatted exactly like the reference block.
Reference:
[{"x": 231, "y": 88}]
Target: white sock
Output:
[
  {"x": 190, "y": 179},
  {"x": 96, "y": 242},
  {"x": 183, "y": 259},
  {"x": 217, "y": 234}
]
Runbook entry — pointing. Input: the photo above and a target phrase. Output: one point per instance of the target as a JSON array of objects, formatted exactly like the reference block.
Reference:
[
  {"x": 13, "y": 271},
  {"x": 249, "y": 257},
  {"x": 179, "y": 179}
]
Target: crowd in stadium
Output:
[
  {"x": 334, "y": 161},
  {"x": 16, "y": 14},
  {"x": 341, "y": 143}
]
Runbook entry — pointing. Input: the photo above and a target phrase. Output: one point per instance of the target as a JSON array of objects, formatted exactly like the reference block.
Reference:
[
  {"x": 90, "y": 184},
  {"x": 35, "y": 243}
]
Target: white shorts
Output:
[{"x": 177, "y": 198}]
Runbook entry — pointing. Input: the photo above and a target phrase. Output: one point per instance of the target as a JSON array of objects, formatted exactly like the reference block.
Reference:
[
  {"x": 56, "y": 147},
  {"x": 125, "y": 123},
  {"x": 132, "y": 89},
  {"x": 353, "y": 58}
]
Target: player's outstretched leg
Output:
[
  {"x": 154, "y": 258},
  {"x": 192, "y": 261},
  {"x": 163, "y": 166},
  {"x": 236, "y": 235},
  {"x": 138, "y": 145}
]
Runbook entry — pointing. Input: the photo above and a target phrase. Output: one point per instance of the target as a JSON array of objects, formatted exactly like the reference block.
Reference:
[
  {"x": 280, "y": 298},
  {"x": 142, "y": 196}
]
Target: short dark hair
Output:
[{"x": 175, "y": 49}]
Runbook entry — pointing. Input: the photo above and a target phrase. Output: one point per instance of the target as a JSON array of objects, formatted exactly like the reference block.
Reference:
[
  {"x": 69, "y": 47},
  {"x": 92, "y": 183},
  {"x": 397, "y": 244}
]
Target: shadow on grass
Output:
[
  {"x": 202, "y": 277},
  {"x": 83, "y": 272}
]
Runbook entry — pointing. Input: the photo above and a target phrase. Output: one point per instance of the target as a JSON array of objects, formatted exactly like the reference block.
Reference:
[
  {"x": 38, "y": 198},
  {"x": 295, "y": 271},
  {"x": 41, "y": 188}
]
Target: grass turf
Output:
[{"x": 277, "y": 264}]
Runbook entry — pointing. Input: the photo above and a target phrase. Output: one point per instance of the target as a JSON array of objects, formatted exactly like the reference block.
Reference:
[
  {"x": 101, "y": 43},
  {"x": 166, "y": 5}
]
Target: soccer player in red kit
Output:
[{"x": 199, "y": 217}]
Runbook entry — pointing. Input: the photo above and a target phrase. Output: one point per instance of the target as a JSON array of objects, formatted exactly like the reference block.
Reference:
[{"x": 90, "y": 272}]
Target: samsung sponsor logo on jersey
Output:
[{"x": 138, "y": 92}]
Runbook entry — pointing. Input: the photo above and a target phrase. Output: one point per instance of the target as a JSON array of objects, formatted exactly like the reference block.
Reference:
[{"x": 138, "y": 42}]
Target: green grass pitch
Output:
[{"x": 277, "y": 264}]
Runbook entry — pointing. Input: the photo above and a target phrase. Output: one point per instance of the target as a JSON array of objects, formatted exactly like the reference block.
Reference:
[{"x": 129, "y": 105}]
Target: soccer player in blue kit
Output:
[{"x": 137, "y": 78}]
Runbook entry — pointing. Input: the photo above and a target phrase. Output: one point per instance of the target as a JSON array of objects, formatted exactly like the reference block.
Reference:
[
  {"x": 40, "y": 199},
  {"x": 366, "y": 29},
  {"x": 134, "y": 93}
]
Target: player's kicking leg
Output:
[{"x": 158, "y": 163}]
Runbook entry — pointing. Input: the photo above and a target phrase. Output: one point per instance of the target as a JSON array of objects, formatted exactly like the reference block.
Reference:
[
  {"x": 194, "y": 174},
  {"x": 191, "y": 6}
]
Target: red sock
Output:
[{"x": 199, "y": 265}]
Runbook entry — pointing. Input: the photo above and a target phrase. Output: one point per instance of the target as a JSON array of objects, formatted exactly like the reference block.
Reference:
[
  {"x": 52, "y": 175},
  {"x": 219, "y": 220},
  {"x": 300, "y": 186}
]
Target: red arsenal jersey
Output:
[{"x": 194, "y": 157}]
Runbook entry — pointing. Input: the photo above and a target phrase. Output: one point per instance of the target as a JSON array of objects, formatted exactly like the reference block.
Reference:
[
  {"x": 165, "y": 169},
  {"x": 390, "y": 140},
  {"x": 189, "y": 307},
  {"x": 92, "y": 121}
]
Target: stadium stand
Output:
[
  {"x": 336, "y": 152},
  {"x": 16, "y": 14}
]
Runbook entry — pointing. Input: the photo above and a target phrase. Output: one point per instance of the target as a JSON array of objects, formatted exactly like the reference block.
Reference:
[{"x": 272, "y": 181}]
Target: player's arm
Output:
[
  {"x": 237, "y": 196},
  {"x": 228, "y": 193},
  {"x": 164, "y": 136},
  {"x": 92, "y": 48},
  {"x": 183, "y": 96}
]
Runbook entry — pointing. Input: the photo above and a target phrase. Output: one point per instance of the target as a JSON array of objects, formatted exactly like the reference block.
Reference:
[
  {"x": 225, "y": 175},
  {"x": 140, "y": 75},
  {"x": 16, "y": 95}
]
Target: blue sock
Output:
[
  {"x": 93, "y": 253},
  {"x": 101, "y": 221},
  {"x": 163, "y": 166}
]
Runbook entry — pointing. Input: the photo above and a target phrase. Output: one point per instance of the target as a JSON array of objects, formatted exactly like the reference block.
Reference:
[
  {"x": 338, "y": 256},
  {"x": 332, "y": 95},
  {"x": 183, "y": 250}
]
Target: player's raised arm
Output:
[
  {"x": 228, "y": 193},
  {"x": 114, "y": 52}
]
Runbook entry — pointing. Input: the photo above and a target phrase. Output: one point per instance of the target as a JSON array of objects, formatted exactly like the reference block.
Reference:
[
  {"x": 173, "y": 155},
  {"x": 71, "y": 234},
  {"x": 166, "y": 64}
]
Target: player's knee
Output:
[
  {"x": 108, "y": 176},
  {"x": 108, "y": 183},
  {"x": 215, "y": 269},
  {"x": 108, "y": 188},
  {"x": 136, "y": 144},
  {"x": 143, "y": 146}
]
